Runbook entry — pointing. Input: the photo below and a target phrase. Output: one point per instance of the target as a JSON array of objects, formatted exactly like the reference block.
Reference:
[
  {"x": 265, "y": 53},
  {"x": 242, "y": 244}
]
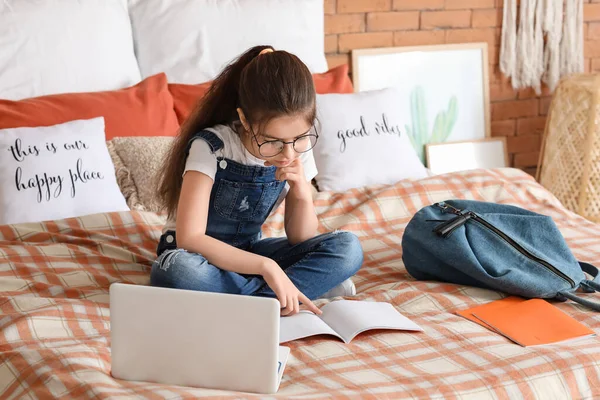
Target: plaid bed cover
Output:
[{"x": 55, "y": 323}]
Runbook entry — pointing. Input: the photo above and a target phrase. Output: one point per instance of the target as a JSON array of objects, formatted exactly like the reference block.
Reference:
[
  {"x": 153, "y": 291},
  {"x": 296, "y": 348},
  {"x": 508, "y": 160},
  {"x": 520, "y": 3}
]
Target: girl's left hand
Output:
[{"x": 294, "y": 175}]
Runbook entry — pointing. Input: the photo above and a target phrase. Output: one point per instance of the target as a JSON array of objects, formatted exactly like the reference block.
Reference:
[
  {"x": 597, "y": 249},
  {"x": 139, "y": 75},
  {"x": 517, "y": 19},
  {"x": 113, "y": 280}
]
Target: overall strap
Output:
[{"x": 214, "y": 142}]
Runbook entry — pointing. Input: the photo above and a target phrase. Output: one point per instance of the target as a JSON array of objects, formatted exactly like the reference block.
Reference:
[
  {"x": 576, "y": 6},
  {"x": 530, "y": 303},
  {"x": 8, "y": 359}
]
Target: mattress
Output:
[{"x": 55, "y": 321}]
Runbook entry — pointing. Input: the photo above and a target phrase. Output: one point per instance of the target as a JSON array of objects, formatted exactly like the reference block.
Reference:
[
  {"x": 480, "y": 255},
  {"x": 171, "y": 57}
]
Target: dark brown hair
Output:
[{"x": 264, "y": 86}]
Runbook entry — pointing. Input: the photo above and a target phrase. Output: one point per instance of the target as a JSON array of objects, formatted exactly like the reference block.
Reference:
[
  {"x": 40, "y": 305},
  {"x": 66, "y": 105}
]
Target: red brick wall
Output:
[{"x": 520, "y": 116}]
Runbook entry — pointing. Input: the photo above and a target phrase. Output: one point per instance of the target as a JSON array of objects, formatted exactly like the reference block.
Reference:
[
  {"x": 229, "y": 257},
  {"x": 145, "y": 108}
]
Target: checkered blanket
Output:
[{"x": 55, "y": 324}]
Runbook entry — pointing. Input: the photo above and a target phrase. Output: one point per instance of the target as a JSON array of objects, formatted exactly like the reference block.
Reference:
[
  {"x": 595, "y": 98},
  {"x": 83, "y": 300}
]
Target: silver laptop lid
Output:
[{"x": 192, "y": 338}]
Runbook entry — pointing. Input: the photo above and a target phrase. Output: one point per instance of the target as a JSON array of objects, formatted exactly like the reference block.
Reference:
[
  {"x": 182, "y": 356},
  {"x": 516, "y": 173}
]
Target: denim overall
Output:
[{"x": 241, "y": 199}]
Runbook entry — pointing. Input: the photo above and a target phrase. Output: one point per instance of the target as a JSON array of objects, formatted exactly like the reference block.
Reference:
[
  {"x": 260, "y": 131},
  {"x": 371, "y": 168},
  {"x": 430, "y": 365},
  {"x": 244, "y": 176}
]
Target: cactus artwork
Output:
[{"x": 418, "y": 132}]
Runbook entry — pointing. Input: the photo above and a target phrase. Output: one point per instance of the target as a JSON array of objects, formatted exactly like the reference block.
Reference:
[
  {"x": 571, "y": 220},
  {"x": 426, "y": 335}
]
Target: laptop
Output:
[{"x": 196, "y": 339}]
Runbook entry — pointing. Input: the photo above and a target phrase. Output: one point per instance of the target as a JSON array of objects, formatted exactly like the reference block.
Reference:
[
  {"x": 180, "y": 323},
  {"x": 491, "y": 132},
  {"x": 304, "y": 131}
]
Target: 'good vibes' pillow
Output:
[
  {"x": 56, "y": 172},
  {"x": 362, "y": 140}
]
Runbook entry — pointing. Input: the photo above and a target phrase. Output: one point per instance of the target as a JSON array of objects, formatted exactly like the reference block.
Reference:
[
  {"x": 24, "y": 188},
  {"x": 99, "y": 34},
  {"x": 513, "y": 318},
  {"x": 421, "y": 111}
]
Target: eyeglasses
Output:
[{"x": 301, "y": 144}]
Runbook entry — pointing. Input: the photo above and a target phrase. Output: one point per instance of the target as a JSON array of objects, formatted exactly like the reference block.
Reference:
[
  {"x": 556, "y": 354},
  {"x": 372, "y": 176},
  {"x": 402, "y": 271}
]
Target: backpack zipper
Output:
[{"x": 462, "y": 217}]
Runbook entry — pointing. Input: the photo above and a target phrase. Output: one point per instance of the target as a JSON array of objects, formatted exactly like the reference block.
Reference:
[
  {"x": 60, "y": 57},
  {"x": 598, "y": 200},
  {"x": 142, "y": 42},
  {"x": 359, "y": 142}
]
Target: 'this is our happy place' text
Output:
[
  {"x": 51, "y": 185},
  {"x": 380, "y": 127}
]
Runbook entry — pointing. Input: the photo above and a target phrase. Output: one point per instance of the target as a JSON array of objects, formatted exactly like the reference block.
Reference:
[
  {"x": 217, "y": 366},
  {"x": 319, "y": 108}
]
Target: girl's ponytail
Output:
[
  {"x": 263, "y": 86},
  {"x": 218, "y": 106}
]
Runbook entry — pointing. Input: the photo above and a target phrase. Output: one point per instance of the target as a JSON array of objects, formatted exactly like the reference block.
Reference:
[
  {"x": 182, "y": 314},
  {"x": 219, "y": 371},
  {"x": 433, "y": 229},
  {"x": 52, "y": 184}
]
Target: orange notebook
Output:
[
  {"x": 532, "y": 322},
  {"x": 494, "y": 306}
]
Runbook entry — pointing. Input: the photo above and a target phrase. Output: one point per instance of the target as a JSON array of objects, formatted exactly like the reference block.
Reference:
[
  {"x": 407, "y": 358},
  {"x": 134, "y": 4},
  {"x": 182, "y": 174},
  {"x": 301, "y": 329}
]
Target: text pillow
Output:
[
  {"x": 362, "y": 140},
  {"x": 56, "y": 172}
]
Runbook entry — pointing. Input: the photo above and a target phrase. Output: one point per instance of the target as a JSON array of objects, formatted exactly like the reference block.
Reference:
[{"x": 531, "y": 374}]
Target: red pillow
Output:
[
  {"x": 185, "y": 97},
  {"x": 336, "y": 80},
  {"x": 145, "y": 109}
]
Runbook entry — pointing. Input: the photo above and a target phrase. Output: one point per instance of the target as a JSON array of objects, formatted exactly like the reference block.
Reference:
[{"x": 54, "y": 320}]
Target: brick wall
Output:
[{"x": 520, "y": 116}]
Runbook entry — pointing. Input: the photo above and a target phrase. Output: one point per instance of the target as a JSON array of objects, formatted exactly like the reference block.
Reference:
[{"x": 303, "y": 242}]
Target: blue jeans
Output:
[{"x": 314, "y": 266}]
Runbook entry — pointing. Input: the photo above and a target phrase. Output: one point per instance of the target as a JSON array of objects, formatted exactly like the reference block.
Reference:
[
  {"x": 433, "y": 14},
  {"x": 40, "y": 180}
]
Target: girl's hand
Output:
[
  {"x": 289, "y": 296},
  {"x": 294, "y": 175}
]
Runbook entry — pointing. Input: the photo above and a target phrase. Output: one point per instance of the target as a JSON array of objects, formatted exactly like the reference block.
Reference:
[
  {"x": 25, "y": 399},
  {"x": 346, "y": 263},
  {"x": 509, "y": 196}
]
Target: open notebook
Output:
[
  {"x": 344, "y": 319},
  {"x": 532, "y": 322}
]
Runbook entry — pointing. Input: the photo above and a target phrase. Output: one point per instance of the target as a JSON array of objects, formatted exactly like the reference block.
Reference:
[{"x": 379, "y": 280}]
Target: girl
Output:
[{"x": 247, "y": 147}]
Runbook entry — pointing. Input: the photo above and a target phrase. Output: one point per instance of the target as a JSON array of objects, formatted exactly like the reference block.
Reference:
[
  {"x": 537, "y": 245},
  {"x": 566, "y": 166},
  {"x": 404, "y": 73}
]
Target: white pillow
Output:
[
  {"x": 49, "y": 46},
  {"x": 192, "y": 40},
  {"x": 362, "y": 140},
  {"x": 56, "y": 172}
]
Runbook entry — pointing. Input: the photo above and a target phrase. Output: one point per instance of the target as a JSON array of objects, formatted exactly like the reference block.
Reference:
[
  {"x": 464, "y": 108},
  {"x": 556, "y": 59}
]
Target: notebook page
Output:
[
  {"x": 303, "y": 324},
  {"x": 350, "y": 317}
]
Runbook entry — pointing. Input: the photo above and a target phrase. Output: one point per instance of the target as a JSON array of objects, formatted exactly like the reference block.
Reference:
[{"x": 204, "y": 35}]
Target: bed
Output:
[
  {"x": 54, "y": 280},
  {"x": 55, "y": 275}
]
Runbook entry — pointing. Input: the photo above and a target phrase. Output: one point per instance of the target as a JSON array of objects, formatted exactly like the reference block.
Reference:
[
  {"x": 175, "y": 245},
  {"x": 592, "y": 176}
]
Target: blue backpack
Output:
[{"x": 495, "y": 246}]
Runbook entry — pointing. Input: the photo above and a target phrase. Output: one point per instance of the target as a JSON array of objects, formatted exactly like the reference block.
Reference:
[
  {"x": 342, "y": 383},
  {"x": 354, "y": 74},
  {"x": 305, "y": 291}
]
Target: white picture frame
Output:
[
  {"x": 485, "y": 153},
  {"x": 447, "y": 88}
]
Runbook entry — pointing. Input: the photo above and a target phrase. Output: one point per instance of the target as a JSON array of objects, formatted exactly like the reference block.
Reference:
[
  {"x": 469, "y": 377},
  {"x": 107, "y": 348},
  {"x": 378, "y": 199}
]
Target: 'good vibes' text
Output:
[{"x": 380, "y": 127}]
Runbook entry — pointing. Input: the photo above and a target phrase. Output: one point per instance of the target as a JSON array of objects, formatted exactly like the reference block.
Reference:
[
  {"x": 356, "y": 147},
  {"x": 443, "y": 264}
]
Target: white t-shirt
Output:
[{"x": 201, "y": 159}]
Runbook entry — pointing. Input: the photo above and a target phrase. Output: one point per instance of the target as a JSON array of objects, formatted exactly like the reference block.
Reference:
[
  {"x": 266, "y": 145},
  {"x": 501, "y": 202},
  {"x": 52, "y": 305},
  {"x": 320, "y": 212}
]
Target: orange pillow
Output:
[
  {"x": 336, "y": 80},
  {"x": 185, "y": 97},
  {"x": 145, "y": 109}
]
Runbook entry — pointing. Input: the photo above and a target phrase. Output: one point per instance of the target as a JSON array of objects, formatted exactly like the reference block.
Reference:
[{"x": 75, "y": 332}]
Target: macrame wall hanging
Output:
[{"x": 546, "y": 45}]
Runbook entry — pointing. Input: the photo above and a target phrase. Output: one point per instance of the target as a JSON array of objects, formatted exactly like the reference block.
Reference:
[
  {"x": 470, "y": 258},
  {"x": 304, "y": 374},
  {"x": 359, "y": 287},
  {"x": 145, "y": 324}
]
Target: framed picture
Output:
[
  {"x": 443, "y": 158},
  {"x": 447, "y": 88}
]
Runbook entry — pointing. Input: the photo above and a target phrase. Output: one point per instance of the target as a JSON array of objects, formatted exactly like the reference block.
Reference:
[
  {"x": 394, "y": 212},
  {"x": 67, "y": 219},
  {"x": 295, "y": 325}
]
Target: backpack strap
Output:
[
  {"x": 590, "y": 269},
  {"x": 572, "y": 296},
  {"x": 588, "y": 286},
  {"x": 594, "y": 283}
]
